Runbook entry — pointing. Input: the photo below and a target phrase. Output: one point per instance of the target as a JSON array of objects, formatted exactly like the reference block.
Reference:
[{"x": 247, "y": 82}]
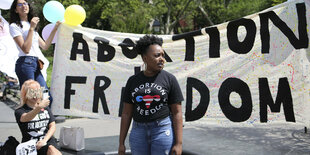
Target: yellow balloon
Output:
[{"x": 74, "y": 15}]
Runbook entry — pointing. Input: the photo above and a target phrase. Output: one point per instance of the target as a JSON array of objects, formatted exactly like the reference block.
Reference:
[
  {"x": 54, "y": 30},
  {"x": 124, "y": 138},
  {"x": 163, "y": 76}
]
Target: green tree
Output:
[
  {"x": 276, "y": 2},
  {"x": 132, "y": 16},
  {"x": 175, "y": 16},
  {"x": 171, "y": 12},
  {"x": 179, "y": 16},
  {"x": 93, "y": 9},
  {"x": 223, "y": 11}
]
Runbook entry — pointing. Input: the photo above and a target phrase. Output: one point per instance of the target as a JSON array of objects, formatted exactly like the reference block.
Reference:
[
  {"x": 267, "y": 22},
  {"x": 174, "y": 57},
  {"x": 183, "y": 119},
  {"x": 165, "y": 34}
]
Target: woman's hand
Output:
[
  {"x": 34, "y": 22},
  {"x": 40, "y": 144},
  {"x": 176, "y": 149},
  {"x": 121, "y": 150},
  {"x": 46, "y": 44},
  {"x": 44, "y": 103},
  {"x": 57, "y": 24}
]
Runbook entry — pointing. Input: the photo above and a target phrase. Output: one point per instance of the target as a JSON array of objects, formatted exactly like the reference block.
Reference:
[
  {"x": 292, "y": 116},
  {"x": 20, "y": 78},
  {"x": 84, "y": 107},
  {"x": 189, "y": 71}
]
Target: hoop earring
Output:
[{"x": 144, "y": 66}]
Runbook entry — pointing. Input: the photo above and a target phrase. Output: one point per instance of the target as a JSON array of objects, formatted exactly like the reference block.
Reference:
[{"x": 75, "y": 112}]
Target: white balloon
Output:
[
  {"x": 6, "y": 4},
  {"x": 47, "y": 31}
]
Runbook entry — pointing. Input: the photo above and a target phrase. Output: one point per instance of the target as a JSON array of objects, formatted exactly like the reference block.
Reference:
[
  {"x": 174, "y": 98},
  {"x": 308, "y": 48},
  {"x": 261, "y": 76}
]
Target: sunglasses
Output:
[{"x": 21, "y": 4}]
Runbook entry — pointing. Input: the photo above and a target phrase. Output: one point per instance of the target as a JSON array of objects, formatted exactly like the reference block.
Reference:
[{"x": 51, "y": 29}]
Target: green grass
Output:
[
  {"x": 49, "y": 71},
  {"x": 49, "y": 56}
]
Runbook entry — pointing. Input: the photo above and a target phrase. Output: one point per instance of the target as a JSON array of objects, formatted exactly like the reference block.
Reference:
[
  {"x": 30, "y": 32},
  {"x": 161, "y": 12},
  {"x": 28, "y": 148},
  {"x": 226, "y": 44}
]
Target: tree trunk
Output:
[
  {"x": 202, "y": 10},
  {"x": 170, "y": 26},
  {"x": 167, "y": 24}
]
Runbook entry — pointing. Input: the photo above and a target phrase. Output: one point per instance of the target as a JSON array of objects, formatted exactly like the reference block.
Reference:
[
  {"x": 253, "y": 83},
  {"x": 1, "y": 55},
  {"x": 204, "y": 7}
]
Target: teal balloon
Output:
[{"x": 53, "y": 11}]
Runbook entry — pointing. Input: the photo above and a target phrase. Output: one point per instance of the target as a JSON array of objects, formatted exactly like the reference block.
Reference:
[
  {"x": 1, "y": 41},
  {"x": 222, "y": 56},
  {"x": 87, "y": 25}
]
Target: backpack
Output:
[{"x": 9, "y": 146}]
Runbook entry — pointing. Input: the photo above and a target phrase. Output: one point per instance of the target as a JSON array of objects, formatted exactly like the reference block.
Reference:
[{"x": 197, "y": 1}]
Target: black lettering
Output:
[
  {"x": 99, "y": 93},
  {"x": 232, "y": 113},
  {"x": 214, "y": 48},
  {"x": 190, "y": 49},
  {"x": 168, "y": 59},
  {"x": 232, "y": 35},
  {"x": 283, "y": 96},
  {"x": 129, "y": 53},
  {"x": 68, "y": 91},
  {"x": 106, "y": 52},
  {"x": 201, "y": 109},
  {"x": 302, "y": 42},
  {"x": 78, "y": 38},
  {"x": 190, "y": 43}
]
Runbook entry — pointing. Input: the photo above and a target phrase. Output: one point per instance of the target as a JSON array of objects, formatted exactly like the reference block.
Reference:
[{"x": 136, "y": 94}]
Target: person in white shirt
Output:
[
  {"x": 8, "y": 50},
  {"x": 23, "y": 29},
  {"x": 8, "y": 57}
]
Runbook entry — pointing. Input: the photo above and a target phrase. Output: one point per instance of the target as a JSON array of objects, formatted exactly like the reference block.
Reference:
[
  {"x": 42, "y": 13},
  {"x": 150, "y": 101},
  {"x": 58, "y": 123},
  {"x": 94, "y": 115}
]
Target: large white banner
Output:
[{"x": 247, "y": 71}]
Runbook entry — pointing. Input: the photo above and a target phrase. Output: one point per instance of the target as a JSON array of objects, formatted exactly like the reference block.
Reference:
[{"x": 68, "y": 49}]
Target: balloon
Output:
[
  {"x": 74, "y": 15},
  {"x": 53, "y": 11},
  {"x": 47, "y": 31},
  {"x": 6, "y": 4}
]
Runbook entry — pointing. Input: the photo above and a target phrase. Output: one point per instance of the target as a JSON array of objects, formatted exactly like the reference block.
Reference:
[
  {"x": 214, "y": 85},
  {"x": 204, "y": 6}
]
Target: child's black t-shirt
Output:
[{"x": 37, "y": 127}]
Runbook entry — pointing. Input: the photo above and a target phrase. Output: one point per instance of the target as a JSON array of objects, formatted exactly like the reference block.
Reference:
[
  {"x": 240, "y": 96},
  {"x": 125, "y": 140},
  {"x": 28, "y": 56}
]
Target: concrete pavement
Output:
[
  {"x": 96, "y": 131},
  {"x": 101, "y": 137}
]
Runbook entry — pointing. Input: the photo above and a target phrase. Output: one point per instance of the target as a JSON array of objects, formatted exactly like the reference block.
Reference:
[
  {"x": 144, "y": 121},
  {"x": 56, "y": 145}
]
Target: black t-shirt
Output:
[
  {"x": 152, "y": 95},
  {"x": 37, "y": 127}
]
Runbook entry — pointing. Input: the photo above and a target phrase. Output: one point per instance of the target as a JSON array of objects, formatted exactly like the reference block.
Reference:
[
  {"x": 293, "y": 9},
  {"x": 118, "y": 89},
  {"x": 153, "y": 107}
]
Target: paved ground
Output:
[{"x": 101, "y": 137}]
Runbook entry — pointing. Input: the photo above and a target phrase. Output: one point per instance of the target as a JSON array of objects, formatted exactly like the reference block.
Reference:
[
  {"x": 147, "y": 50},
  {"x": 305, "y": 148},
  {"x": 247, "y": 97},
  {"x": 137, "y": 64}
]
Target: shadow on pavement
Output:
[
  {"x": 97, "y": 146},
  {"x": 205, "y": 140},
  {"x": 237, "y": 140},
  {"x": 105, "y": 146}
]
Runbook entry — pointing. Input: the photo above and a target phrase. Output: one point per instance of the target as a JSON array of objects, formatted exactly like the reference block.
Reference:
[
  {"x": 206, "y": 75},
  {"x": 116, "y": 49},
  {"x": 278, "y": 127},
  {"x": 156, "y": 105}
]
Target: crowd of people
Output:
[
  {"x": 156, "y": 128},
  {"x": 33, "y": 108}
]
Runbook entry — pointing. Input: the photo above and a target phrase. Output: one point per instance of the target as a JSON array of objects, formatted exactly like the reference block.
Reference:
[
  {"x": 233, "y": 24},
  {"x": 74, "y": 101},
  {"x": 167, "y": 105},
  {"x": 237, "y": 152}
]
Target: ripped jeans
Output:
[{"x": 153, "y": 138}]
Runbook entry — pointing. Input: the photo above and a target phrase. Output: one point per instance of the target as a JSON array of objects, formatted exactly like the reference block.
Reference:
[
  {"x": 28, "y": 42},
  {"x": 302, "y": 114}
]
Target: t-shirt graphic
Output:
[
  {"x": 151, "y": 96},
  {"x": 148, "y": 99},
  {"x": 37, "y": 133}
]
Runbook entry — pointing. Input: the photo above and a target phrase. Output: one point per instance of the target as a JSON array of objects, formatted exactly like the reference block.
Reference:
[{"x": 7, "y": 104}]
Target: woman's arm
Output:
[
  {"x": 49, "y": 134},
  {"x": 25, "y": 45},
  {"x": 177, "y": 121},
  {"x": 125, "y": 124},
  {"x": 45, "y": 45},
  {"x": 27, "y": 117}
]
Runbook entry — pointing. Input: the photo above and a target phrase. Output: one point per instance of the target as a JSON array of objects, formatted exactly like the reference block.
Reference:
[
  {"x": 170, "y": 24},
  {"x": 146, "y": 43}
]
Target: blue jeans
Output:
[
  {"x": 153, "y": 138},
  {"x": 26, "y": 68}
]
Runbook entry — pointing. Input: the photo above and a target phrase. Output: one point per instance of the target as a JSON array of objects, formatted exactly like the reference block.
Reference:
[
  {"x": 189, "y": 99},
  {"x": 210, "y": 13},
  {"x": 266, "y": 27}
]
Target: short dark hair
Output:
[
  {"x": 144, "y": 42},
  {"x": 14, "y": 17}
]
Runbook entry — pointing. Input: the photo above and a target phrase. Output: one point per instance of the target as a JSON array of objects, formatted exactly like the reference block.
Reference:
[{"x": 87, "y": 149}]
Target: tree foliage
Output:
[
  {"x": 131, "y": 16},
  {"x": 276, "y": 2},
  {"x": 222, "y": 12},
  {"x": 175, "y": 16}
]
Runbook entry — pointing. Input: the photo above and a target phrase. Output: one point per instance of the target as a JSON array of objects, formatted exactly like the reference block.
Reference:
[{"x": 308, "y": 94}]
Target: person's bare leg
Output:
[{"x": 53, "y": 151}]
